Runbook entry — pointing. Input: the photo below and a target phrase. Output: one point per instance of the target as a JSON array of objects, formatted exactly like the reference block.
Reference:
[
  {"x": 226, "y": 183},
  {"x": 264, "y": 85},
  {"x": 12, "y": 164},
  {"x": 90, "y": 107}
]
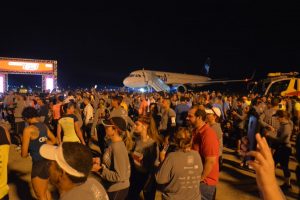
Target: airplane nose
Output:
[{"x": 126, "y": 81}]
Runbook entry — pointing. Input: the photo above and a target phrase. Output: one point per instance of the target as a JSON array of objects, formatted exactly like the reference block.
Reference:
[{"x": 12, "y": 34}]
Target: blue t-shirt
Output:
[{"x": 35, "y": 145}]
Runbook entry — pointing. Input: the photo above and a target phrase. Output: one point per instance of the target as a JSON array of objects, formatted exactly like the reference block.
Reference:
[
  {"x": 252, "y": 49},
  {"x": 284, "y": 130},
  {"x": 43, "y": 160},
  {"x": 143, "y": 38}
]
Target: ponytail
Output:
[
  {"x": 153, "y": 132},
  {"x": 127, "y": 139}
]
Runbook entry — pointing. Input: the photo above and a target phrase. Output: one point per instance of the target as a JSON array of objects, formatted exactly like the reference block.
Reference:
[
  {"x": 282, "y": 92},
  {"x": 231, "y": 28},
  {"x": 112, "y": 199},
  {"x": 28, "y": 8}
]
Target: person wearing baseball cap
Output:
[
  {"x": 70, "y": 165},
  {"x": 115, "y": 167},
  {"x": 214, "y": 110},
  {"x": 212, "y": 117},
  {"x": 117, "y": 122}
]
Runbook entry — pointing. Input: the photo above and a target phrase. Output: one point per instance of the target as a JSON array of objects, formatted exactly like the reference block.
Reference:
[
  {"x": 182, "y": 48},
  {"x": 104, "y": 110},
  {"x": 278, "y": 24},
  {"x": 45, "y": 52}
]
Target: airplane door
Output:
[
  {"x": 165, "y": 79},
  {"x": 146, "y": 78}
]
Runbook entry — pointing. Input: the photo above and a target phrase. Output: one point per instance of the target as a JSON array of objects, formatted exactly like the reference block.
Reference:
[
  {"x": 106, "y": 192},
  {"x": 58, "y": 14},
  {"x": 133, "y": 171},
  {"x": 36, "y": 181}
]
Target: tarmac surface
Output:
[{"x": 235, "y": 182}]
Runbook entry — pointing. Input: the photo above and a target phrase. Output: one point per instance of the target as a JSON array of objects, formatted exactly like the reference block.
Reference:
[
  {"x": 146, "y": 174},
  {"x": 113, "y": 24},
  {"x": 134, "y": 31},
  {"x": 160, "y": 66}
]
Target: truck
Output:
[{"x": 278, "y": 84}]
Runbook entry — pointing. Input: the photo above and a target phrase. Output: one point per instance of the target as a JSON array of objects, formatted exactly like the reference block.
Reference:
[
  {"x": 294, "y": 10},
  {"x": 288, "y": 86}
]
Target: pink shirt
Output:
[{"x": 56, "y": 111}]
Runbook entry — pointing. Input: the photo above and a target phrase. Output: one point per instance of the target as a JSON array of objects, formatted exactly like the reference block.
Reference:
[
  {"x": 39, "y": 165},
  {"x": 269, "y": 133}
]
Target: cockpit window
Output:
[{"x": 135, "y": 75}]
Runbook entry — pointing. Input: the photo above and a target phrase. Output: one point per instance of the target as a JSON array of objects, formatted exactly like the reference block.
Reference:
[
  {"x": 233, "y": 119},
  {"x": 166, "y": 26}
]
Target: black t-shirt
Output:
[
  {"x": 43, "y": 112},
  {"x": 3, "y": 137}
]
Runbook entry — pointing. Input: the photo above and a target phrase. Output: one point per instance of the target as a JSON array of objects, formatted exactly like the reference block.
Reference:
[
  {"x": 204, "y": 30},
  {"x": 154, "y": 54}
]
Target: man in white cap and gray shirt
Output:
[
  {"x": 69, "y": 169},
  {"x": 213, "y": 115}
]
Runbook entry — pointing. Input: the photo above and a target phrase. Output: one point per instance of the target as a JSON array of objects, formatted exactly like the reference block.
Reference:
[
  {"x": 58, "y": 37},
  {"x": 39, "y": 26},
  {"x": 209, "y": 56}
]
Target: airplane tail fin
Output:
[
  {"x": 207, "y": 66},
  {"x": 253, "y": 74}
]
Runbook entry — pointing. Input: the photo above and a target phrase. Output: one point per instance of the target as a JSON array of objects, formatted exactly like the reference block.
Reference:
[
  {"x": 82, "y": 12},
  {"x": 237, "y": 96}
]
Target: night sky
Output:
[{"x": 102, "y": 44}]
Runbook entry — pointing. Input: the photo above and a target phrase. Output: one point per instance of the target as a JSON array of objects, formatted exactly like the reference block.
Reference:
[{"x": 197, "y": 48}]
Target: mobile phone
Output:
[{"x": 173, "y": 120}]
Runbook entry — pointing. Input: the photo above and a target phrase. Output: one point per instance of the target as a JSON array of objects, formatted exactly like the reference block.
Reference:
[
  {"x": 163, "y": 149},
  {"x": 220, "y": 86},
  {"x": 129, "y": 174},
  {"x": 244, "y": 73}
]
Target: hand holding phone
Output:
[{"x": 96, "y": 164}]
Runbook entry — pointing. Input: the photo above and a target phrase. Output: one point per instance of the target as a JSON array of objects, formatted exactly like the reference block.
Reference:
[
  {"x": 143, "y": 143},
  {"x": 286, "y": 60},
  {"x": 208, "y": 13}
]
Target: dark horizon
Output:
[{"x": 96, "y": 44}]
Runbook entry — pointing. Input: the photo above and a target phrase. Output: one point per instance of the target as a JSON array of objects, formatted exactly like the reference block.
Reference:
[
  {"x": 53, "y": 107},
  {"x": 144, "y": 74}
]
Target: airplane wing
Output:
[
  {"x": 224, "y": 81},
  {"x": 246, "y": 80},
  {"x": 202, "y": 83}
]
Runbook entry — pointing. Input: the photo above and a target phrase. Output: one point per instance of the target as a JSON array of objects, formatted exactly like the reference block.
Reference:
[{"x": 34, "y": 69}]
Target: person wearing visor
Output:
[
  {"x": 115, "y": 167},
  {"x": 34, "y": 136},
  {"x": 70, "y": 166}
]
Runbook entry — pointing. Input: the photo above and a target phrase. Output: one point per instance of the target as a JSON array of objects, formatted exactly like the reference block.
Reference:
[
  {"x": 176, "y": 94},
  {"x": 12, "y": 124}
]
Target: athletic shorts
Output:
[{"x": 40, "y": 169}]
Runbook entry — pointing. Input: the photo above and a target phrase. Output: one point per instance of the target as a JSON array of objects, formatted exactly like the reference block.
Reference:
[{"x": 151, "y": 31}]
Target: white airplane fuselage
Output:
[{"x": 139, "y": 79}]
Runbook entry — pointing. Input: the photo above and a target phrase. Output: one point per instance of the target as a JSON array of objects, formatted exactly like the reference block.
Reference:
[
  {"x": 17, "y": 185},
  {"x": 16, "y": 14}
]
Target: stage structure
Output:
[{"x": 46, "y": 68}]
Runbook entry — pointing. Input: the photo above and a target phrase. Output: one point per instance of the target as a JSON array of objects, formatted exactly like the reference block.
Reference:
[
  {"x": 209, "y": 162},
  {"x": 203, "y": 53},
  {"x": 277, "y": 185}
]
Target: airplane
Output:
[{"x": 161, "y": 81}]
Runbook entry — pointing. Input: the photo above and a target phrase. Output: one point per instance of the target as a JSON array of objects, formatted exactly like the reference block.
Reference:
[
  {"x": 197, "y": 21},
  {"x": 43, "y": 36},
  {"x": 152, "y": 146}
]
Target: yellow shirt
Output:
[
  {"x": 4, "y": 149},
  {"x": 248, "y": 102},
  {"x": 297, "y": 106},
  {"x": 124, "y": 105},
  {"x": 68, "y": 125}
]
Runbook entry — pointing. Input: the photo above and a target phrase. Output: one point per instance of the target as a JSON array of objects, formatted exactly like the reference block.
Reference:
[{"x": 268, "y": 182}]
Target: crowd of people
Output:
[{"x": 171, "y": 143}]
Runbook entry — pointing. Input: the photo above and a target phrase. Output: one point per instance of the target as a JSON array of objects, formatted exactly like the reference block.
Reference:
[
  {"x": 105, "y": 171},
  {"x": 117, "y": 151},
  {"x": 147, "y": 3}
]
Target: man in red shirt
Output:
[{"x": 205, "y": 141}]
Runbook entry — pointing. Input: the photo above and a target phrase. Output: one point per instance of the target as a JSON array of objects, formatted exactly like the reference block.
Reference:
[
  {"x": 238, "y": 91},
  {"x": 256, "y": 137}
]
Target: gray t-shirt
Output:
[
  {"x": 116, "y": 173},
  {"x": 219, "y": 132},
  {"x": 180, "y": 175},
  {"x": 121, "y": 112},
  {"x": 166, "y": 115},
  {"x": 283, "y": 134},
  {"x": 90, "y": 190},
  {"x": 148, "y": 151}
]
